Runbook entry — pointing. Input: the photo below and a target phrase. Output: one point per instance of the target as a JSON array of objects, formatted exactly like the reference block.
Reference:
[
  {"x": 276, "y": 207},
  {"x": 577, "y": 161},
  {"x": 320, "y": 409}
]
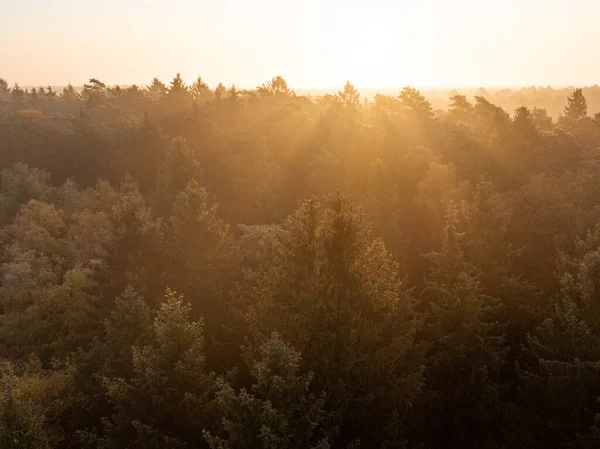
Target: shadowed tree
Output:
[
  {"x": 4, "y": 90},
  {"x": 414, "y": 102},
  {"x": 200, "y": 91},
  {"x": 349, "y": 96},
  {"x": 21, "y": 426},
  {"x": 157, "y": 89},
  {"x": 277, "y": 88},
  {"x": 165, "y": 403},
  {"x": 333, "y": 293},
  {"x": 575, "y": 109},
  {"x": 69, "y": 93},
  {"x": 278, "y": 411},
  {"x": 177, "y": 86},
  {"x": 220, "y": 91}
]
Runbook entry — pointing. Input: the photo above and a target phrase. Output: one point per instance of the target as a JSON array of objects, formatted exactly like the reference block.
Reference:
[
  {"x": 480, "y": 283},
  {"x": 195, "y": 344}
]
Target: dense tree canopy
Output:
[{"x": 193, "y": 267}]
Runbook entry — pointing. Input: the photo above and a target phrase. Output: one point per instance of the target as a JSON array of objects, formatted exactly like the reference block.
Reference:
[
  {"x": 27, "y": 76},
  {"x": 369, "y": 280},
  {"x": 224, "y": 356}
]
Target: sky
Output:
[{"x": 311, "y": 43}]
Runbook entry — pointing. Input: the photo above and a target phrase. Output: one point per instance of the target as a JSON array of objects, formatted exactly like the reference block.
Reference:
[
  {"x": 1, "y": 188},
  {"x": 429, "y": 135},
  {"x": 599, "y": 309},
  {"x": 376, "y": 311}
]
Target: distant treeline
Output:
[{"x": 552, "y": 99}]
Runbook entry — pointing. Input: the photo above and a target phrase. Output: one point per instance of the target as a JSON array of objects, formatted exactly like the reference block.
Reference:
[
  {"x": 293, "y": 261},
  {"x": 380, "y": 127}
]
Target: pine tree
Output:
[
  {"x": 178, "y": 87},
  {"x": 128, "y": 325},
  {"x": 464, "y": 351},
  {"x": 560, "y": 386},
  {"x": 220, "y": 91},
  {"x": 69, "y": 93},
  {"x": 94, "y": 93},
  {"x": 157, "y": 89},
  {"x": 179, "y": 167},
  {"x": 17, "y": 95},
  {"x": 349, "y": 96},
  {"x": 200, "y": 91},
  {"x": 523, "y": 123},
  {"x": 135, "y": 258},
  {"x": 335, "y": 294},
  {"x": 201, "y": 257},
  {"x": 412, "y": 100},
  {"x": 576, "y": 108},
  {"x": 278, "y": 412},
  {"x": 164, "y": 403}
]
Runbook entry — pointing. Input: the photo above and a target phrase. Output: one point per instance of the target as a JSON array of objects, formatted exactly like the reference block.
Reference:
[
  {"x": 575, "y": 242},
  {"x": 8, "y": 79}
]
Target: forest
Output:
[{"x": 187, "y": 267}]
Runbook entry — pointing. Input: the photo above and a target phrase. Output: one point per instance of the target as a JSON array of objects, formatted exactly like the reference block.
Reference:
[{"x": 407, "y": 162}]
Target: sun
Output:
[{"x": 368, "y": 54}]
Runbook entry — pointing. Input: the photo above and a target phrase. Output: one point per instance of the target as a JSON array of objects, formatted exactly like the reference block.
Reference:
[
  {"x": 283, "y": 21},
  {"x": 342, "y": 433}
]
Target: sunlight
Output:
[{"x": 369, "y": 58}]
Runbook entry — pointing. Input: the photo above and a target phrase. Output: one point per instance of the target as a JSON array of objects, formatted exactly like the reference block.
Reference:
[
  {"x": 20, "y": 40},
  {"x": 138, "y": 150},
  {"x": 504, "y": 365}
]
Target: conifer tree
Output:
[
  {"x": 576, "y": 107},
  {"x": 335, "y": 294},
  {"x": 165, "y": 402},
  {"x": 278, "y": 411}
]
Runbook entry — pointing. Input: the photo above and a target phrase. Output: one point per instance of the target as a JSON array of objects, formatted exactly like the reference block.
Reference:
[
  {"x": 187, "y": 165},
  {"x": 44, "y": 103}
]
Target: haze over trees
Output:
[{"x": 185, "y": 266}]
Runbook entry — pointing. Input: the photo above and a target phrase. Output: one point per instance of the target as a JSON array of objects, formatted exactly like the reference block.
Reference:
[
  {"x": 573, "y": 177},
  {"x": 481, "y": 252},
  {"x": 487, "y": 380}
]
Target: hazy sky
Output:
[{"x": 312, "y": 43}]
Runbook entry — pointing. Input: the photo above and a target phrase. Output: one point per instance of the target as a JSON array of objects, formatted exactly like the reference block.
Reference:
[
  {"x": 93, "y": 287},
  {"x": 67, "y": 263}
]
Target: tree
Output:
[
  {"x": 157, "y": 89},
  {"x": 541, "y": 119},
  {"x": 21, "y": 427},
  {"x": 233, "y": 95},
  {"x": 349, "y": 96},
  {"x": 277, "y": 88},
  {"x": 17, "y": 95},
  {"x": 69, "y": 93},
  {"x": 278, "y": 412},
  {"x": 179, "y": 167},
  {"x": 50, "y": 93},
  {"x": 19, "y": 184},
  {"x": 94, "y": 93},
  {"x": 565, "y": 358},
  {"x": 523, "y": 123},
  {"x": 33, "y": 94},
  {"x": 128, "y": 325},
  {"x": 165, "y": 402},
  {"x": 200, "y": 91},
  {"x": 413, "y": 101},
  {"x": 576, "y": 108},
  {"x": 465, "y": 351},
  {"x": 202, "y": 261},
  {"x": 220, "y": 91},
  {"x": 4, "y": 90},
  {"x": 335, "y": 294},
  {"x": 460, "y": 109},
  {"x": 134, "y": 259},
  {"x": 178, "y": 87},
  {"x": 46, "y": 302}
]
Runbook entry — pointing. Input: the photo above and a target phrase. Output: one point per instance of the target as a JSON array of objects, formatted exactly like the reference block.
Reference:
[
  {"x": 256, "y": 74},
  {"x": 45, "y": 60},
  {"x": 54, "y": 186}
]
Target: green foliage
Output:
[
  {"x": 179, "y": 168},
  {"x": 278, "y": 411},
  {"x": 164, "y": 403},
  {"x": 335, "y": 294},
  {"x": 21, "y": 426},
  {"x": 138, "y": 236},
  {"x": 20, "y": 184},
  {"x": 466, "y": 353},
  {"x": 199, "y": 246},
  {"x": 455, "y": 308},
  {"x": 565, "y": 358}
]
